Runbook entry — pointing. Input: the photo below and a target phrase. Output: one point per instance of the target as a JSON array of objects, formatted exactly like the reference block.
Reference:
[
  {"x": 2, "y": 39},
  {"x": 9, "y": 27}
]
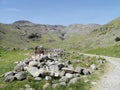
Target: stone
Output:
[
  {"x": 69, "y": 75},
  {"x": 19, "y": 68},
  {"x": 67, "y": 70},
  {"x": 27, "y": 85},
  {"x": 38, "y": 78},
  {"x": 20, "y": 75},
  {"x": 54, "y": 68},
  {"x": 64, "y": 79},
  {"x": 44, "y": 57},
  {"x": 93, "y": 67},
  {"x": 10, "y": 73},
  {"x": 61, "y": 66},
  {"x": 48, "y": 78},
  {"x": 85, "y": 72},
  {"x": 73, "y": 80},
  {"x": 27, "y": 60},
  {"x": 78, "y": 70},
  {"x": 70, "y": 67},
  {"x": 33, "y": 64},
  {"x": 62, "y": 73},
  {"x": 10, "y": 78},
  {"x": 76, "y": 75},
  {"x": 33, "y": 71},
  {"x": 56, "y": 74},
  {"x": 40, "y": 65}
]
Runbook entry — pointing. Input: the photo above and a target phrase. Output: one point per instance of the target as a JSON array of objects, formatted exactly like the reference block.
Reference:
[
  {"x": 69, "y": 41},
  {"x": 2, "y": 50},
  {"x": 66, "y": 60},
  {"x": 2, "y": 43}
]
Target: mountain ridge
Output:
[{"x": 25, "y": 33}]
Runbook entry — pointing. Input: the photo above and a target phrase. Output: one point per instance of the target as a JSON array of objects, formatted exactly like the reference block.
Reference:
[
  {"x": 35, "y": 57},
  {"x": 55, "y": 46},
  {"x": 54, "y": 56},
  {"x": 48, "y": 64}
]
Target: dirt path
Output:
[{"x": 111, "y": 79}]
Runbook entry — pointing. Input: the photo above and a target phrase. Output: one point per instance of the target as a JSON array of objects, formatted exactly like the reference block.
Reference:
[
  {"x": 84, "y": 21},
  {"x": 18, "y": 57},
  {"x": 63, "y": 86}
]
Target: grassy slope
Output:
[{"x": 108, "y": 51}]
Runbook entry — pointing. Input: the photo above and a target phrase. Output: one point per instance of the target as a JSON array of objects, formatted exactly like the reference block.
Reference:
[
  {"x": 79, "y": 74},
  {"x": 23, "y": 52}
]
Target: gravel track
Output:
[{"x": 111, "y": 79}]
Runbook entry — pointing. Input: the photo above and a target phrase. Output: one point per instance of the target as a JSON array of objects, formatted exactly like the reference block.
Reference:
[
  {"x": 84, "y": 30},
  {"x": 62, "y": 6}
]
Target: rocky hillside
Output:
[{"x": 25, "y": 33}]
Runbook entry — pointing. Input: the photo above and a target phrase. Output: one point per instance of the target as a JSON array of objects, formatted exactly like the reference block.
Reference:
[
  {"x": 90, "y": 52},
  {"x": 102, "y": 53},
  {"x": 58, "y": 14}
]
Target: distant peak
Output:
[{"x": 23, "y": 22}]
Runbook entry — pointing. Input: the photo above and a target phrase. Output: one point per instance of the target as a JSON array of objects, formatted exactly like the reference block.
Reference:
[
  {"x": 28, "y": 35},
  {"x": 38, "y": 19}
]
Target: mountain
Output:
[{"x": 24, "y": 33}]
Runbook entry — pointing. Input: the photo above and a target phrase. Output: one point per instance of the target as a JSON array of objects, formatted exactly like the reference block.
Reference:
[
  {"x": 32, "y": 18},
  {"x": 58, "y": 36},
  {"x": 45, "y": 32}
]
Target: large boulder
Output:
[
  {"x": 20, "y": 75},
  {"x": 33, "y": 71}
]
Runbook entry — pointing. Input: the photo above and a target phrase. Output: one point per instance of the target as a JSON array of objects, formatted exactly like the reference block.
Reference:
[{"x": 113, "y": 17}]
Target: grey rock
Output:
[
  {"x": 19, "y": 67},
  {"x": 56, "y": 74},
  {"x": 33, "y": 64},
  {"x": 93, "y": 67},
  {"x": 61, "y": 66},
  {"x": 40, "y": 65},
  {"x": 48, "y": 78},
  {"x": 10, "y": 78},
  {"x": 76, "y": 75},
  {"x": 67, "y": 70},
  {"x": 10, "y": 73},
  {"x": 54, "y": 68},
  {"x": 38, "y": 78},
  {"x": 69, "y": 75},
  {"x": 85, "y": 72},
  {"x": 62, "y": 73},
  {"x": 78, "y": 70},
  {"x": 44, "y": 57},
  {"x": 27, "y": 85},
  {"x": 64, "y": 79},
  {"x": 73, "y": 80},
  {"x": 71, "y": 67},
  {"x": 27, "y": 60},
  {"x": 20, "y": 75},
  {"x": 33, "y": 71}
]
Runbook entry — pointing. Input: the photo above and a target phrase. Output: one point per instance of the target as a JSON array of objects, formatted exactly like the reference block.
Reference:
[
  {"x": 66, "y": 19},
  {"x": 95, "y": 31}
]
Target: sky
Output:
[{"x": 62, "y": 12}]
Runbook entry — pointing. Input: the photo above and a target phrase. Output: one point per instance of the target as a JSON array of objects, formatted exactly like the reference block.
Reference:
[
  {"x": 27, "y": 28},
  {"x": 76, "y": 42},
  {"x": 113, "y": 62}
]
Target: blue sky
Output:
[{"x": 62, "y": 12}]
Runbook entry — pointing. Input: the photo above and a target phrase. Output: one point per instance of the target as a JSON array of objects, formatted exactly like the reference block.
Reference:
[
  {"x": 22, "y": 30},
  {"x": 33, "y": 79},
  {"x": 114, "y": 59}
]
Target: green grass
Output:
[
  {"x": 113, "y": 51},
  {"x": 7, "y": 59}
]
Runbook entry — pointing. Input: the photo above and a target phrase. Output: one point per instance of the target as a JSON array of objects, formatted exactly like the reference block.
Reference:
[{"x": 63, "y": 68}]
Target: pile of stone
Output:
[{"x": 48, "y": 67}]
